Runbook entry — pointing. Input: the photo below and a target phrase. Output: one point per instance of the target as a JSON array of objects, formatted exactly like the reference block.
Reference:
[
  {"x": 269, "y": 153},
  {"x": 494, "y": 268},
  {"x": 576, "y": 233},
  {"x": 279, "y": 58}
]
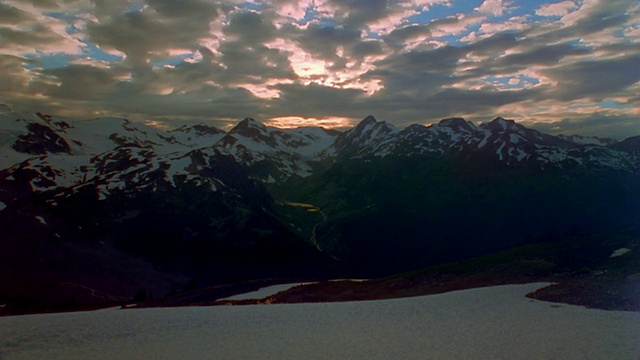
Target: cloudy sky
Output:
[{"x": 563, "y": 66}]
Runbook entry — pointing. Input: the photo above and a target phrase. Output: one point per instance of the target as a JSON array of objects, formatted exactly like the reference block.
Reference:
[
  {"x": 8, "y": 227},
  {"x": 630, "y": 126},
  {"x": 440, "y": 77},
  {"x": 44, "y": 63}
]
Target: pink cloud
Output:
[
  {"x": 492, "y": 7},
  {"x": 556, "y": 9}
]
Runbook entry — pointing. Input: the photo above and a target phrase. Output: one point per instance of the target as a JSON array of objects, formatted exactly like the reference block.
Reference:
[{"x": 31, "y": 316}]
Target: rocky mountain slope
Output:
[{"x": 98, "y": 210}]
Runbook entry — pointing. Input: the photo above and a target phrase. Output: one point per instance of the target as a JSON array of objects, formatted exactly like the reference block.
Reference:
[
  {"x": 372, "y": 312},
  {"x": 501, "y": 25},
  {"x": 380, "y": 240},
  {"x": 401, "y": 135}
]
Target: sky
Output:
[{"x": 569, "y": 66}]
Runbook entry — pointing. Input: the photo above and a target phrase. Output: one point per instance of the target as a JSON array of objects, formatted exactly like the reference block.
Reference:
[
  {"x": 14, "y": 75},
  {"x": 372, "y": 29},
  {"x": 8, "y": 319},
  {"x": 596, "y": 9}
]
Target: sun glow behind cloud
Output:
[{"x": 288, "y": 122}]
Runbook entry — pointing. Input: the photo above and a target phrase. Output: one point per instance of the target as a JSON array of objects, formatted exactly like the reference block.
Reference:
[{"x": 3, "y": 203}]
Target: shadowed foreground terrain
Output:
[{"x": 581, "y": 275}]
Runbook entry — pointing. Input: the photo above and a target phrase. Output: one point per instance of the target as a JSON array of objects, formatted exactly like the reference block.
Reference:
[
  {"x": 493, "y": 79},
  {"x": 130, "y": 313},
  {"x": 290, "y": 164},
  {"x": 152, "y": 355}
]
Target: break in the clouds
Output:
[{"x": 563, "y": 66}]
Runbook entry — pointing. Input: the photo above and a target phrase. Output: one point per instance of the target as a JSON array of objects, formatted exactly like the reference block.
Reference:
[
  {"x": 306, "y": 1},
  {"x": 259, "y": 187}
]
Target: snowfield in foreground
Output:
[{"x": 495, "y": 322}]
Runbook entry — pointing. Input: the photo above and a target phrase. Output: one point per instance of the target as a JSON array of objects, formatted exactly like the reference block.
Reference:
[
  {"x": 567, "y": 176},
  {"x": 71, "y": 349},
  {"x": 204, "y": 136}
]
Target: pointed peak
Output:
[
  {"x": 502, "y": 120},
  {"x": 202, "y": 129},
  {"x": 250, "y": 121},
  {"x": 457, "y": 123},
  {"x": 501, "y": 124},
  {"x": 369, "y": 120},
  {"x": 248, "y": 124}
]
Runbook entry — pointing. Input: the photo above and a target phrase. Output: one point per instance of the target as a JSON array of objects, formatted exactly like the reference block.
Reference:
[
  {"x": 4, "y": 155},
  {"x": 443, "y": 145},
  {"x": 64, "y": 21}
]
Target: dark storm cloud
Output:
[
  {"x": 11, "y": 15},
  {"x": 253, "y": 64},
  {"x": 156, "y": 29},
  {"x": 366, "y": 48},
  {"x": 495, "y": 44},
  {"x": 405, "y": 108},
  {"x": 208, "y": 102},
  {"x": 200, "y": 59},
  {"x": 323, "y": 40},
  {"x": 419, "y": 61},
  {"x": 544, "y": 55},
  {"x": 11, "y": 78},
  {"x": 184, "y": 9},
  {"x": 398, "y": 36},
  {"x": 595, "y": 78},
  {"x": 46, "y": 4},
  {"x": 603, "y": 15},
  {"x": 601, "y": 124},
  {"x": 245, "y": 58},
  {"x": 35, "y": 36},
  {"x": 250, "y": 27},
  {"x": 357, "y": 13},
  {"x": 317, "y": 101},
  {"x": 80, "y": 81}
]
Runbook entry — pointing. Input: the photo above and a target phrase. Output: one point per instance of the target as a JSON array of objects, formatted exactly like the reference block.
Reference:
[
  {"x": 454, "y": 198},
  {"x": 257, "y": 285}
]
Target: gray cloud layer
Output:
[{"x": 197, "y": 60}]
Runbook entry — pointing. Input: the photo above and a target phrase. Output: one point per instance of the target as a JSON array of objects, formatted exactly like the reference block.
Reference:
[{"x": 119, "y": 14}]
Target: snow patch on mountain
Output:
[
  {"x": 588, "y": 140},
  {"x": 114, "y": 154},
  {"x": 288, "y": 152}
]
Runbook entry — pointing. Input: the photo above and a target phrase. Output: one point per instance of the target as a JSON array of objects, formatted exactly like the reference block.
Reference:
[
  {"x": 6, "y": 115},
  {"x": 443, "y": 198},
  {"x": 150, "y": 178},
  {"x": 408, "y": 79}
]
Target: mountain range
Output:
[{"x": 98, "y": 211}]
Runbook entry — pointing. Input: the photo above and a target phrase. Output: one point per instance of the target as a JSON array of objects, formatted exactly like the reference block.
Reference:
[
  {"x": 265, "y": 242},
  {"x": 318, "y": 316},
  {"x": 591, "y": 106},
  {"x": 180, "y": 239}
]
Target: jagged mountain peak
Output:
[
  {"x": 630, "y": 145},
  {"x": 415, "y": 128},
  {"x": 370, "y": 119},
  {"x": 459, "y": 124},
  {"x": 587, "y": 140},
  {"x": 248, "y": 124},
  {"x": 370, "y": 122},
  {"x": 199, "y": 129},
  {"x": 502, "y": 124},
  {"x": 369, "y": 134}
]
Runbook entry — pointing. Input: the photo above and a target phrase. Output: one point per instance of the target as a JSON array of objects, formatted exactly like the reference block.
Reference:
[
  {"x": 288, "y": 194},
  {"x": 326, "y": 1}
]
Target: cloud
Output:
[
  {"x": 11, "y": 15},
  {"x": 80, "y": 81},
  {"x": 155, "y": 29},
  {"x": 556, "y": 9},
  {"x": 595, "y": 78},
  {"x": 492, "y": 7},
  {"x": 323, "y": 41},
  {"x": 317, "y": 101},
  {"x": 543, "y": 55},
  {"x": 14, "y": 78},
  {"x": 250, "y": 27},
  {"x": 329, "y": 60},
  {"x": 599, "y": 124},
  {"x": 24, "y": 30}
]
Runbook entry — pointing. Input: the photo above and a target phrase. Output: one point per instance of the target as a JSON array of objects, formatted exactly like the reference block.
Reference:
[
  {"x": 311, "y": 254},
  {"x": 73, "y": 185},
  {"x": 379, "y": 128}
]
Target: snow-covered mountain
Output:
[
  {"x": 588, "y": 140},
  {"x": 45, "y": 153},
  {"x": 273, "y": 154},
  {"x": 259, "y": 201},
  {"x": 499, "y": 141},
  {"x": 368, "y": 137}
]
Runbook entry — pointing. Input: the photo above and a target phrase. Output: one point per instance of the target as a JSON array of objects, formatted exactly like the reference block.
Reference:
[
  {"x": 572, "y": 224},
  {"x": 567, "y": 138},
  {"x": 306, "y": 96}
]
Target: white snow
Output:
[
  {"x": 270, "y": 180},
  {"x": 514, "y": 138},
  {"x": 499, "y": 151},
  {"x": 620, "y": 252},
  {"x": 313, "y": 140},
  {"x": 520, "y": 154},
  {"x": 587, "y": 140},
  {"x": 264, "y": 292},
  {"x": 2, "y": 206},
  {"x": 484, "y": 140},
  {"x": 41, "y": 220},
  {"x": 486, "y": 323}
]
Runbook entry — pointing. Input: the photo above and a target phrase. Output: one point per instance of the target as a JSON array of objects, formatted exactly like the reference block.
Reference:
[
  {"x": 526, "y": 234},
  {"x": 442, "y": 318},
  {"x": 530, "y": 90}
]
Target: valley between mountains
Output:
[{"x": 107, "y": 211}]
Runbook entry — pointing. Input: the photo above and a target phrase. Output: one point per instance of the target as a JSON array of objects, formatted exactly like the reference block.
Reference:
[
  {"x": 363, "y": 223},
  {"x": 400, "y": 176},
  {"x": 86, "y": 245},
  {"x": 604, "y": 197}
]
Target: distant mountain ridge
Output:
[
  {"x": 292, "y": 152},
  {"x": 197, "y": 205}
]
